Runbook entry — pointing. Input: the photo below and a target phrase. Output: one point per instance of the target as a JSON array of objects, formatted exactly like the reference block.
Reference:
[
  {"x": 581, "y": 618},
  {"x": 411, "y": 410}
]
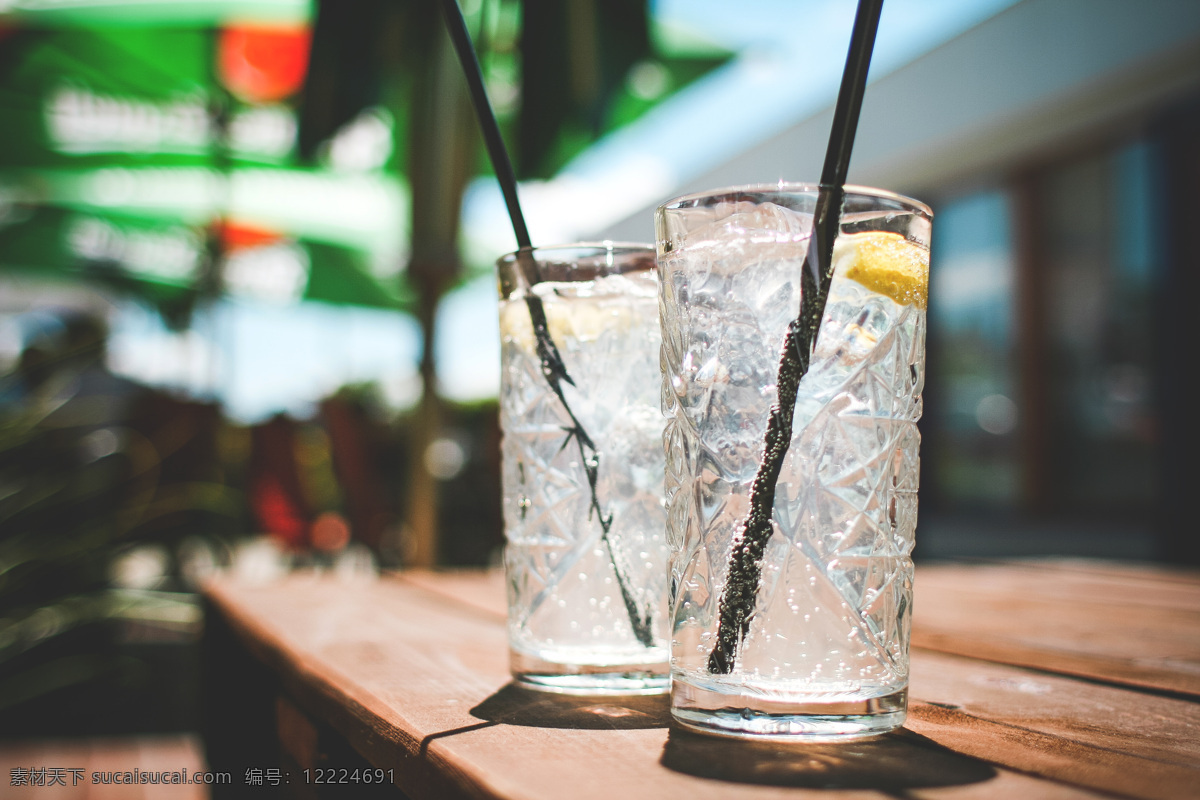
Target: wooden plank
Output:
[
  {"x": 1130, "y": 627},
  {"x": 170, "y": 756},
  {"x": 1152, "y": 604},
  {"x": 420, "y": 685},
  {"x": 1134, "y": 625},
  {"x": 1102, "y": 737},
  {"x": 384, "y": 663},
  {"x": 1071, "y": 580},
  {"x": 1076, "y": 581},
  {"x": 1157, "y": 574},
  {"x": 479, "y": 589},
  {"x": 170, "y": 753},
  {"x": 895, "y": 764},
  {"x": 25, "y": 757}
]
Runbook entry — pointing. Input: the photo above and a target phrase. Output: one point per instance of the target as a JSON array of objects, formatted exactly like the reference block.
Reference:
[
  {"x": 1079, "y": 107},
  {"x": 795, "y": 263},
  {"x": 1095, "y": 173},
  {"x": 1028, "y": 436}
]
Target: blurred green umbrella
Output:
[
  {"x": 138, "y": 13},
  {"x": 163, "y": 261},
  {"x": 127, "y": 93},
  {"x": 277, "y": 234},
  {"x": 138, "y": 135}
]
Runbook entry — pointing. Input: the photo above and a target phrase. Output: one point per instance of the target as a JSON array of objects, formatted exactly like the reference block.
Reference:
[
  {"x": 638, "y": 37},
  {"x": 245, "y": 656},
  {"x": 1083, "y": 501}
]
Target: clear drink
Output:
[
  {"x": 586, "y": 554},
  {"x": 825, "y": 653}
]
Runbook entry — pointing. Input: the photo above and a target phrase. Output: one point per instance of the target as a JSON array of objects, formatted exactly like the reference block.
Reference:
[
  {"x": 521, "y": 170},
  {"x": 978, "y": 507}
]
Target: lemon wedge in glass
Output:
[
  {"x": 886, "y": 263},
  {"x": 569, "y": 322},
  {"x": 515, "y": 324}
]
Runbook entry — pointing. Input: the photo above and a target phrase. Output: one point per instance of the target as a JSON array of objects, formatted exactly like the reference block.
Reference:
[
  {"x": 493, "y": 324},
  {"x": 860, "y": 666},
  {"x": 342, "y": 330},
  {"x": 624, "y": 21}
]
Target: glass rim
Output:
[
  {"x": 589, "y": 249},
  {"x": 786, "y": 187},
  {"x": 572, "y": 263}
]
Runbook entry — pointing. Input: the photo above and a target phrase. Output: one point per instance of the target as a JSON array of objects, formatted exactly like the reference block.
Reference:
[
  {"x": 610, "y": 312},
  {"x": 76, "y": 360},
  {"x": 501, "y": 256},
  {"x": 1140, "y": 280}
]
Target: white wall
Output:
[{"x": 1028, "y": 79}]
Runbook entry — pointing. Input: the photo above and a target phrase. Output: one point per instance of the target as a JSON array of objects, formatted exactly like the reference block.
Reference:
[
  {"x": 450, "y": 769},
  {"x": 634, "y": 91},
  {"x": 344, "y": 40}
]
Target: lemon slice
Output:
[
  {"x": 568, "y": 322},
  {"x": 886, "y": 263},
  {"x": 515, "y": 325}
]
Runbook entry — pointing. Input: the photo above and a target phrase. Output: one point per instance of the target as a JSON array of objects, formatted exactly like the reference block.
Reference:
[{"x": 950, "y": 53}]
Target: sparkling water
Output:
[
  {"x": 577, "y": 594},
  {"x": 828, "y": 638}
]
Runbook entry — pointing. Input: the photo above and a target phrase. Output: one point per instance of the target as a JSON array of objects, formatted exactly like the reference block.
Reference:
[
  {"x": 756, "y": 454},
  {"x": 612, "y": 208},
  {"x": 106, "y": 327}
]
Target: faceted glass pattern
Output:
[
  {"x": 577, "y": 594},
  {"x": 833, "y": 608}
]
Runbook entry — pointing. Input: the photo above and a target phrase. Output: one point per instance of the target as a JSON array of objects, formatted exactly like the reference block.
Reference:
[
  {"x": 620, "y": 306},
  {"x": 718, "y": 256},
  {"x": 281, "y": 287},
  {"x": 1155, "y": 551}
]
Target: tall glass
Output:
[
  {"x": 822, "y": 649},
  {"x": 586, "y": 553}
]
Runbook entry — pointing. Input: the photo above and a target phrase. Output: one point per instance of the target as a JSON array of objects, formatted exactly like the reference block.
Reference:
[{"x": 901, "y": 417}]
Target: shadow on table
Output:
[
  {"x": 516, "y": 705},
  {"x": 891, "y": 763}
]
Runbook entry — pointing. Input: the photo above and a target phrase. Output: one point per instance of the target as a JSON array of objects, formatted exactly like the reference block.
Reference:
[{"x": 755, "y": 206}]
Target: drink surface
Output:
[
  {"x": 568, "y": 581},
  {"x": 832, "y": 614}
]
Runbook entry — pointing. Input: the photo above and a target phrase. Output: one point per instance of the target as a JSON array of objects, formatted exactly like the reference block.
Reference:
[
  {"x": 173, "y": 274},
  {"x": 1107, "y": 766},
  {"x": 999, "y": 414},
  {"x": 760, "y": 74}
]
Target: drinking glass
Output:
[
  {"x": 582, "y": 475},
  {"x": 811, "y": 639}
]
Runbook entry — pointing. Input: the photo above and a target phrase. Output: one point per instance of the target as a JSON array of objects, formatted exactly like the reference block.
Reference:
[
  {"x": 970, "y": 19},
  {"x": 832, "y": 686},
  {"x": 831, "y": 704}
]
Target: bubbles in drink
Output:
[
  {"x": 573, "y": 590},
  {"x": 832, "y": 613}
]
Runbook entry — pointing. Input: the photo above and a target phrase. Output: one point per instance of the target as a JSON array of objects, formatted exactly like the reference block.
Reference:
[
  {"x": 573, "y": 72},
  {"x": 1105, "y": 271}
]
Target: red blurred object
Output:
[
  {"x": 237, "y": 236},
  {"x": 278, "y": 513},
  {"x": 330, "y": 532},
  {"x": 262, "y": 64},
  {"x": 277, "y": 498},
  {"x": 356, "y": 444}
]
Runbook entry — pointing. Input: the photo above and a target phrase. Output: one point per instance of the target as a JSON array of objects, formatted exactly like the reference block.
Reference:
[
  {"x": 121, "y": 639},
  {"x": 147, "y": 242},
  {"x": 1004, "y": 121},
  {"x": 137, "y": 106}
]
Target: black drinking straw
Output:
[
  {"x": 553, "y": 369},
  {"x": 736, "y": 607}
]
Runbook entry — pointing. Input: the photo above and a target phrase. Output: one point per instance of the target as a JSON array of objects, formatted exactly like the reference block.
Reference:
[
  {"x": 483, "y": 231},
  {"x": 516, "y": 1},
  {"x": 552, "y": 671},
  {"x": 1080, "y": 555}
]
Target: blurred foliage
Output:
[
  {"x": 585, "y": 68},
  {"x": 103, "y": 486},
  {"x": 560, "y": 74},
  {"x": 360, "y": 450}
]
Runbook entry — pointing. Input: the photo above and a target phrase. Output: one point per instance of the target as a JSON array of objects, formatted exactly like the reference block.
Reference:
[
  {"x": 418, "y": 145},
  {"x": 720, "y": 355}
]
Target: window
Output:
[
  {"x": 1043, "y": 415},
  {"x": 972, "y": 449},
  {"x": 1099, "y": 253}
]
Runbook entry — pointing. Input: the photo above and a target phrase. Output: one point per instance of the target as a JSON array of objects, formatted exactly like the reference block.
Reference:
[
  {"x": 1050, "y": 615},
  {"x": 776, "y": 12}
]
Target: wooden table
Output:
[{"x": 1031, "y": 679}]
